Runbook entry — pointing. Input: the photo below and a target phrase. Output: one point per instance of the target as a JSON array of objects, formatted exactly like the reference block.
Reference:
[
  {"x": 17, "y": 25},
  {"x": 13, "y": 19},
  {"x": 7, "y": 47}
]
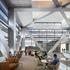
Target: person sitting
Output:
[
  {"x": 55, "y": 60},
  {"x": 54, "y": 64}
]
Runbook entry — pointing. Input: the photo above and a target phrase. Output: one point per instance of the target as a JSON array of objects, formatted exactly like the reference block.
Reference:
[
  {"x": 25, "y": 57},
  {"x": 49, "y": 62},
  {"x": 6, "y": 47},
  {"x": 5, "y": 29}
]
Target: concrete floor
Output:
[{"x": 27, "y": 63}]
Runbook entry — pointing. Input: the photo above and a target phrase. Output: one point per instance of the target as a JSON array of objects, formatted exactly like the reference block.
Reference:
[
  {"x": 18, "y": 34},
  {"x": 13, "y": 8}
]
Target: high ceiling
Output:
[
  {"x": 45, "y": 24},
  {"x": 43, "y": 17}
]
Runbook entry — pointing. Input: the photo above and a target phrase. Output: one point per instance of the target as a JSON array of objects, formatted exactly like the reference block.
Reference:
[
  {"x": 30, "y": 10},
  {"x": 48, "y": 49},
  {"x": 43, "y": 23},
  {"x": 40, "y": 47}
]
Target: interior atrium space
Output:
[{"x": 34, "y": 34}]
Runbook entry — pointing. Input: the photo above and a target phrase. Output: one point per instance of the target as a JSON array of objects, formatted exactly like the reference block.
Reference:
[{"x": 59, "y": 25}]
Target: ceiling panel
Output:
[
  {"x": 25, "y": 17},
  {"x": 42, "y": 4},
  {"x": 20, "y": 3}
]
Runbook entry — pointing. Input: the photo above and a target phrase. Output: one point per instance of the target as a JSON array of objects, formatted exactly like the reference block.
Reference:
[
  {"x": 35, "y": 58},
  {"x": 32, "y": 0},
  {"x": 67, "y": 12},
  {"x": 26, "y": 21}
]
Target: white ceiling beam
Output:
[
  {"x": 41, "y": 10},
  {"x": 65, "y": 17}
]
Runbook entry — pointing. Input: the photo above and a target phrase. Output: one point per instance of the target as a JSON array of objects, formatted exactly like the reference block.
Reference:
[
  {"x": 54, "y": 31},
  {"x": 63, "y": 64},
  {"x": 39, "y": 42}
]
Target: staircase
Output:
[
  {"x": 50, "y": 44},
  {"x": 57, "y": 43}
]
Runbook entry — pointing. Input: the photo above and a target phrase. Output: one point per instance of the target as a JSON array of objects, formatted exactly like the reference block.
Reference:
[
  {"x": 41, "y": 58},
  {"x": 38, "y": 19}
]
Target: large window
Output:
[
  {"x": 3, "y": 7},
  {"x": 3, "y": 31},
  {"x": 3, "y": 13}
]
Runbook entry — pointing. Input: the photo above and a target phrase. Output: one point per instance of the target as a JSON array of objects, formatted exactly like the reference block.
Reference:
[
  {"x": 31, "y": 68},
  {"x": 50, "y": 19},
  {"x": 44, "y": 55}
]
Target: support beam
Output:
[
  {"x": 66, "y": 4},
  {"x": 12, "y": 30},
  {"x": 56, "y": 3},
  {"x": 61, "y": 11},
  {"x": 65, "y": 17}
]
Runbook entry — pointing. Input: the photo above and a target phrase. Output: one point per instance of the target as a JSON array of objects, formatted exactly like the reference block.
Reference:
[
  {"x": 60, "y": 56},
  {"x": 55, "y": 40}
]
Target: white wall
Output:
[
  {"x": 29, "y": 43},
  {"x": 63, "y": 46}
]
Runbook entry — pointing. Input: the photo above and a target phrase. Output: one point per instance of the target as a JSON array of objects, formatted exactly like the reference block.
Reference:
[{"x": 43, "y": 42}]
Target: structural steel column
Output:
[{"x": 12, "y": 30}]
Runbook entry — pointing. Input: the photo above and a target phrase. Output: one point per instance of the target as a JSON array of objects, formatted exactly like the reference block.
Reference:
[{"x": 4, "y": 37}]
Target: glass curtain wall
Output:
[{"x": 3, "y": 30}]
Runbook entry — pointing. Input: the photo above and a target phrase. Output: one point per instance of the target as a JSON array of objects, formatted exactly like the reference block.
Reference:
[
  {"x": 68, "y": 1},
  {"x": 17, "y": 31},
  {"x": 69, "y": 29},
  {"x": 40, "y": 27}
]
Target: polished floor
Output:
[{"x": 27, "y": 63}]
